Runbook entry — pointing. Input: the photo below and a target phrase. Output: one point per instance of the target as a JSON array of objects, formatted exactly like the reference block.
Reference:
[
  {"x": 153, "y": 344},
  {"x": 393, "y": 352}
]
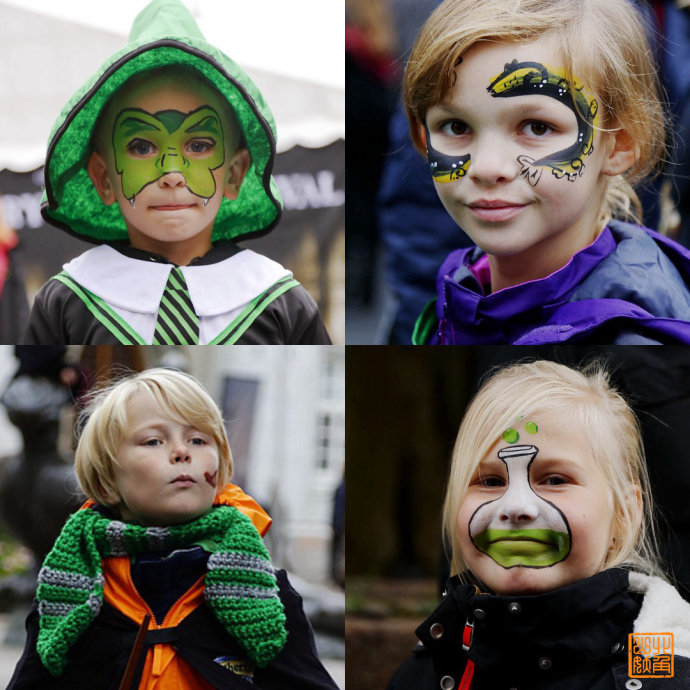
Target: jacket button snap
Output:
[
  {"x": 436, "y": 631},
  {"x": 447, "y": 683},
  {"x": 545, "y": 663},
  {"x": 479, "y": 614},
  {"x": 514, "y": 607}
]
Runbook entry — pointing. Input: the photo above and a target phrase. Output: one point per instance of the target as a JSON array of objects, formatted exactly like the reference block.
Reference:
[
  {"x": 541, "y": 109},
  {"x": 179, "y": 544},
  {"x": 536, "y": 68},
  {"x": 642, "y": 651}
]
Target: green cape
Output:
[{"x": 164, "y": 33}]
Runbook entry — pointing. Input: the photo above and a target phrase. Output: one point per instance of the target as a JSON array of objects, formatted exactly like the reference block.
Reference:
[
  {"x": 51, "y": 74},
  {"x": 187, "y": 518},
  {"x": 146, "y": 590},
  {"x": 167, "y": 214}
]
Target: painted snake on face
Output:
[{"x": 534, "y": 78}]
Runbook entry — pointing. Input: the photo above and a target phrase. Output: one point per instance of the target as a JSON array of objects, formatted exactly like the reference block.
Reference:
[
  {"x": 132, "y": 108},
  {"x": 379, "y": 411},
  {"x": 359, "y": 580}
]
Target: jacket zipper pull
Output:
[{"x": 135, "y": 654}]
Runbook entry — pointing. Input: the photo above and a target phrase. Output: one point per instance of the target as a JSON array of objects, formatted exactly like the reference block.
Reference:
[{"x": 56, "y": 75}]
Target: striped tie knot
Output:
[{"x": 177, "y": 322}]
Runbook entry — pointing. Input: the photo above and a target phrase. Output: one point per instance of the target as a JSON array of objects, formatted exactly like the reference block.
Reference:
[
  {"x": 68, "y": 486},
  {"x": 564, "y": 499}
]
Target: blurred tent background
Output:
[{"x": 294, "y": 53}]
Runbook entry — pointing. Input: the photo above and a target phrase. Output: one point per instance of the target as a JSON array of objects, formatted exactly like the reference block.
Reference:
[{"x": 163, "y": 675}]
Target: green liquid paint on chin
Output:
[
  {"x": 533, "y": 548},
  {"x": 531, "y": 428},
  {"x": 510, "y": 436}
]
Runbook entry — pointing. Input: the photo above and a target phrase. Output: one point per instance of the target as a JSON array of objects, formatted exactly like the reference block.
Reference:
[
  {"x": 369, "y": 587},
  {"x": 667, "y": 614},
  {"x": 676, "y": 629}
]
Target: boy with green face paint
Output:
[{"x": 164, "y": 160}]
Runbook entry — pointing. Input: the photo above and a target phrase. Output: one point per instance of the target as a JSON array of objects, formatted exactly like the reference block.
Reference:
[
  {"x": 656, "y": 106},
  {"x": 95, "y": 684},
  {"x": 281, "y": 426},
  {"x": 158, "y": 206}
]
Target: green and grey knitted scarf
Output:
[{"x": 241, "y": 588}]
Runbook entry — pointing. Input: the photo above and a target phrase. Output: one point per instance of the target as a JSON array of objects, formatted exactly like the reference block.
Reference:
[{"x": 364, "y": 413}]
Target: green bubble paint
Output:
[
  {"x": 532, "y": 548},
  {"x": 510, "y": 435},
  {"x": 531, "y": 428}
]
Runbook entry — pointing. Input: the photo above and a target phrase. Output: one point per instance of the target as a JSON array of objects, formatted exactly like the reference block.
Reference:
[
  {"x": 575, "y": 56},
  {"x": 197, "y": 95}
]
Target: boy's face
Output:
[
  {"x": 515, "y": 163},
  {"x": 537, "y": 514},
  {"x": 166, "y": 469},
  {"x": 167, "y": 155}
]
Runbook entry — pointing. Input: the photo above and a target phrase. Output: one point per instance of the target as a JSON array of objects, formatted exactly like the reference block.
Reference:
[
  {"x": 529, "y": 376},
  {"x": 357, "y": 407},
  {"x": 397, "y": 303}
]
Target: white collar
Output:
[{"x": 136, "y": 285}]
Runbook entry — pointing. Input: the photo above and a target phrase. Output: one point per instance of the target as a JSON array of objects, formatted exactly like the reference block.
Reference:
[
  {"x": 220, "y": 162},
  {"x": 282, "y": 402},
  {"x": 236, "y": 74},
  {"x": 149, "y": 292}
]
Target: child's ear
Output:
[
  {"x": 621, "y": 153},
  {"x": 239, "y": 165},
  {"x": 97, "y": 169}
]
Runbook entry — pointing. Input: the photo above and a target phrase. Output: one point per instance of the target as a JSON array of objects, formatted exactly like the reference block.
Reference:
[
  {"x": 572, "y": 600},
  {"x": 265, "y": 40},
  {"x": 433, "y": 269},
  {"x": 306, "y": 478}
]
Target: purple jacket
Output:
[{"x": 630, "y": 286}]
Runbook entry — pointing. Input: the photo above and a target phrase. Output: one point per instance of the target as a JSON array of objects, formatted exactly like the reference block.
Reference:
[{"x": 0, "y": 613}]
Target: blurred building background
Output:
[{"x": 285, "y": 415}]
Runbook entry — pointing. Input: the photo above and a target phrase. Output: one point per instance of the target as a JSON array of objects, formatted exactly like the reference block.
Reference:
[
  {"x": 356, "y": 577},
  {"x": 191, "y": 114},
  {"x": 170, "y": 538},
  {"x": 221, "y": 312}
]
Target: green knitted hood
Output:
[{"x": 164, "y": 33}]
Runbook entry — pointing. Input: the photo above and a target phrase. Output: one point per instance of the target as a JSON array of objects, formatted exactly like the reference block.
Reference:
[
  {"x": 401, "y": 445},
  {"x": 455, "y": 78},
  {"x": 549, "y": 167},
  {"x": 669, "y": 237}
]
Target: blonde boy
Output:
[{"x": 167, "y": 548}]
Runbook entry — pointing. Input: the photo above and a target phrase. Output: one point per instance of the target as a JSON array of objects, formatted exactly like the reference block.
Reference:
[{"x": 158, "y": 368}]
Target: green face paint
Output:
[
  {"x": 541, "y": 537},
  {"x": 148, "y": 146},
  {"x": 537, "y": 548},
  {"x": 510, "y": 436},
  {"x": 534, "y": 78}
]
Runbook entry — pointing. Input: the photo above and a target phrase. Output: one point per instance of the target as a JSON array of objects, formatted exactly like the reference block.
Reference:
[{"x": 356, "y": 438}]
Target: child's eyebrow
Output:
[
  {"x": 444, "y": 109},
  {"x": 207, "y": 124},
  {"x": 134, "y": 124},
  {"x": 546, "y": 462}
]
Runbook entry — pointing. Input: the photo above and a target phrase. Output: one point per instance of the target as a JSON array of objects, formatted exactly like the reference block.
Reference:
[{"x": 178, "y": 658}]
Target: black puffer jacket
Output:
[{"x": 574, "y": 638}]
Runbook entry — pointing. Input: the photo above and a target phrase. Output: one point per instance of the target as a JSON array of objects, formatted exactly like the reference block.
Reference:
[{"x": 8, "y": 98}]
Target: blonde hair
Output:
[
  {"x": 107, "y": 422},
  {"x": 588, "y": 401},
  {"x": 604, "y": 42}
]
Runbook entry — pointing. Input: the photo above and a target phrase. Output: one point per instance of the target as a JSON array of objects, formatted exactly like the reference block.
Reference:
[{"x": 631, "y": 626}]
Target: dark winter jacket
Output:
[
  {"x": 229, "y": 313},
  {"x": 630, "y": 286},
  {"x": 574, "y": 638},
  {"x": 99, "y": 658}
]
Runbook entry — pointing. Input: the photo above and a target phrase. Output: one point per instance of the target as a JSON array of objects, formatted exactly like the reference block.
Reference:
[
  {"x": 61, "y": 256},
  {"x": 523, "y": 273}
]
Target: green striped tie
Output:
[{"x": 177, "y": 322}]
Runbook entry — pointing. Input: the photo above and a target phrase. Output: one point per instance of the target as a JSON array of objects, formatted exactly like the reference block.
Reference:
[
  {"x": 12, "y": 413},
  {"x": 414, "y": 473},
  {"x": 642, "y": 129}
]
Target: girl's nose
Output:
[
  {"x": 518, "y": 508},
  {"x": 492, "y": 163}
]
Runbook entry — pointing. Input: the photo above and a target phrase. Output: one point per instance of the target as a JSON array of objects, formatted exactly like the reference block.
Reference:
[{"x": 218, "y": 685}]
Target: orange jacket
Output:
[{"x": 164, "y": 669}]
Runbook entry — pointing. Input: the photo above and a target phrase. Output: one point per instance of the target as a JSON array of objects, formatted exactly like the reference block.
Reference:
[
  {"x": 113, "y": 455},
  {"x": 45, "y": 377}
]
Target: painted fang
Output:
[
  {"x": 445, "y": 168},
  {"x": 520, "y": 528},
  {"x": 534, "y": 78},
  {"x": 150, "y": 145}
]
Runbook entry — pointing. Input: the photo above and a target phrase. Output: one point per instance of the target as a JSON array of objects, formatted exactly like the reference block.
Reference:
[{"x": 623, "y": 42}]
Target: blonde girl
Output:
[{"x": 548, "y": 517}]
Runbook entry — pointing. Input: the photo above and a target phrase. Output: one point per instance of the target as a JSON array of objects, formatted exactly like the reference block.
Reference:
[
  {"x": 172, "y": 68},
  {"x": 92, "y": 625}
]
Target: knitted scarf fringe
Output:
[{"x": 240, "y": 587}]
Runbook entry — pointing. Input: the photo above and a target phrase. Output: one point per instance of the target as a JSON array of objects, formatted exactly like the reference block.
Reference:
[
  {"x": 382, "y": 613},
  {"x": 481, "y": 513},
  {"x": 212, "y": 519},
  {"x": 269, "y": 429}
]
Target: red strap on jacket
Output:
[{"x": 466, "y": 680}]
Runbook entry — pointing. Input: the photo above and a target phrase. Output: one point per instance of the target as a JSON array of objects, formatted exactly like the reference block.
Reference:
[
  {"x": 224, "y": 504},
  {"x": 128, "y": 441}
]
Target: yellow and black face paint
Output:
[
  {"x": 534, "y": 78},
  {"x": 445, "y": 168}
]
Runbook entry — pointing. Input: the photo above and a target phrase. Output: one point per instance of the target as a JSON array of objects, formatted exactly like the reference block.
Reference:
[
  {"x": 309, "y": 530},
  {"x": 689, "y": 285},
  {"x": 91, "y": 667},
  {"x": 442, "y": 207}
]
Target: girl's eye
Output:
[
  {"x": 555, "y": 480},
  {"x": 140, "y": 147},
  {"x": 152, "y": 442},
  {"x": 537, "y": 128},
  {"x": 454, "y": 128},
  {"x": 198, "y": 441},
  {"x": 200, "y": 146},
  {"x": 491, "y": 482}
]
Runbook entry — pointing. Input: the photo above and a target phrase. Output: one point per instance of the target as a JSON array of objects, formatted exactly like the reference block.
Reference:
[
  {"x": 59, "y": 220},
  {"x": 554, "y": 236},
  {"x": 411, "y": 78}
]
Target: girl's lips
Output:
[{"x": 495, "y": 211}]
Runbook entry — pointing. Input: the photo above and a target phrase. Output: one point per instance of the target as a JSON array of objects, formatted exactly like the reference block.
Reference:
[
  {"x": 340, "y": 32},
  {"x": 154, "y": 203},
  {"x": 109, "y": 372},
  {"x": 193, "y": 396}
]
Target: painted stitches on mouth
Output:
[
  {"x": 534, "y": 78},
  {"x": 520, "y": 528}
]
